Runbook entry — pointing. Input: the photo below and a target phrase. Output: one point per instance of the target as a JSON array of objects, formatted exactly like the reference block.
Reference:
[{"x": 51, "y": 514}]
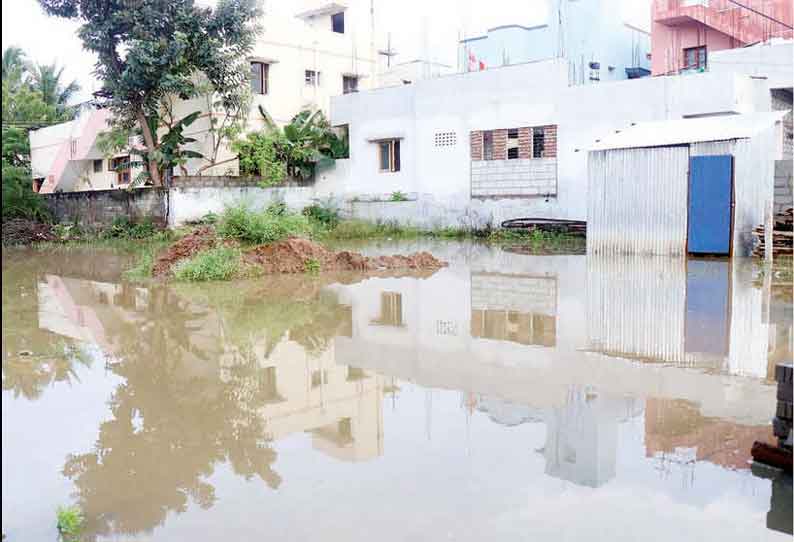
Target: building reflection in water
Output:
[{"x": 215, "y": 375}]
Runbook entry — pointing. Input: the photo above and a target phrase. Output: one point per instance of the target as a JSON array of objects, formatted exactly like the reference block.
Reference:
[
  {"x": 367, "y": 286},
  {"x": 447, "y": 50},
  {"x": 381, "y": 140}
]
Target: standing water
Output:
[{"x": 506, "y": 397}]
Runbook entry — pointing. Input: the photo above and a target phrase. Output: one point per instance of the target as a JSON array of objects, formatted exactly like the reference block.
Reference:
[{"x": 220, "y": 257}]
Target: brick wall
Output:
[
  {"x": 476, "y": 145},
  {"x": 99, "y": 207},
  {"x": 490, "y": 291},
  {"x": 500, "y": 144},
  {"x": 550, "y": 143},
  {"x": 524, "y": 143}
]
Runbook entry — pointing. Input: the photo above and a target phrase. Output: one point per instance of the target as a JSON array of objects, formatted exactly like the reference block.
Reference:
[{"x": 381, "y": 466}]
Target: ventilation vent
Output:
[{"x": 446, "y": 139}]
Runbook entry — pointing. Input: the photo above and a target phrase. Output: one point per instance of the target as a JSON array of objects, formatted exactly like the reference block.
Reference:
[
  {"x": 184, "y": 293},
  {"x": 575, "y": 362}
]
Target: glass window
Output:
[
  {"x": 349, "y": 84},
  {"x": 98, "y": 166},
  {"x": 312, "y": 78},
  {"x": 512, "y": 143},
  {"x": 121, "y": 165},
  {"x": 338, "y": 22},
  {"x": 695, "y": 58},
  {"x": 259, "y": 77},
  {"x": 389, "y": 155}
]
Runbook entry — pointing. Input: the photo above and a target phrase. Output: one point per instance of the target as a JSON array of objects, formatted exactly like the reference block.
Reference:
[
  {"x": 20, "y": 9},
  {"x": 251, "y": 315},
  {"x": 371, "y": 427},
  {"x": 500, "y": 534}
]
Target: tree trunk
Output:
[{"x": 148, "y": 139}]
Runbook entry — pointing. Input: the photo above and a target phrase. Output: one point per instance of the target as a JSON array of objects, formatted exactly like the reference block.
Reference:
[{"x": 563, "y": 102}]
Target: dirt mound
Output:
[
  {"x": 199, "y": 239},
  {"x": 296, "y": 255},
  {"x": 20, "y": 231}
]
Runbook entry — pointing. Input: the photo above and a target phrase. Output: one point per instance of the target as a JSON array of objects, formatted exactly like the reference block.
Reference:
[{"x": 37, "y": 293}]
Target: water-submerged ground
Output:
[{"x": 506, "y": 397}]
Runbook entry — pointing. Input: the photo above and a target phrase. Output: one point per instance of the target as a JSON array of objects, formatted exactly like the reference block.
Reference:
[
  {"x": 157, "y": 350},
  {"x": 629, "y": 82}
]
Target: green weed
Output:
[
  {"x": 70, "y": 523},
  {"x": 267, "y": 226},
  {"x": 311, "y": 266},
  {"x": 220, "y": 263}
]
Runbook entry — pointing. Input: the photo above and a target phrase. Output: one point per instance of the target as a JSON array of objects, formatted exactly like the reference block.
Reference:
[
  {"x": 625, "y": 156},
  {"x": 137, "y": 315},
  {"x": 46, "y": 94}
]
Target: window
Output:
[
  {"x": 487, "y": 145},
  {"x": 121, "y": 165},
  {"x": 445, "y": 139},
  {"x": 695, "y": 58},
  {"x": 538, "y": 142},
  {"x": 312, "y": 78},
  {"x": 319, "y": 377},
  {"x": 389, "y": 155},
  {"x": 338, "y": 22},
  {"x": 512, "y": 143},
  {"x": 349, "y": 84},
  {"x": 98, "y": 166},
  {"x": 259, "y": 77},
  {"x": 37, "y": 184},
  {"x": 391, "y": 310}
]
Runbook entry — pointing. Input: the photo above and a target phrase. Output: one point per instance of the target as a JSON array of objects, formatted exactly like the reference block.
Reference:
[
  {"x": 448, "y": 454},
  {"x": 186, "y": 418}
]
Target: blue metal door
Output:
[
  {"x": 708, "y": 308},
  {"x": 710, "y": 209}
]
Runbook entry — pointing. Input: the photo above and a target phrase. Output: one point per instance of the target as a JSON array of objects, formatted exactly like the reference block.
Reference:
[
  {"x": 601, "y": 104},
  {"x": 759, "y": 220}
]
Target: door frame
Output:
[{"x": 732, "y": 206}]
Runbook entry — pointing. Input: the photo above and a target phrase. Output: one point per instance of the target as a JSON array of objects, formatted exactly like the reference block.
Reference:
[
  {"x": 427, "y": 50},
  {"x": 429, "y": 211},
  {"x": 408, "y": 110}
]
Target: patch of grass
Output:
[
  {"x": 220, "y": 263},
  {"x": 398, "y": 196},
  {"x": 124, "y": 228},
  {"x": 311, "y": 266},
  {"x": 143, "y": 269},
  {"x": 267, "y": 226},
  {"x": 326, "y": 215},
  {"x": 70, "y": 523}
]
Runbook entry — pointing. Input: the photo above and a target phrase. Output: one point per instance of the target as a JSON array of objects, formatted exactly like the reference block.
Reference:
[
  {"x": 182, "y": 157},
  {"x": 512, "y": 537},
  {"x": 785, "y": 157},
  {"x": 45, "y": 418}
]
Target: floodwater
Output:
[{"x": 506, "y": 397}]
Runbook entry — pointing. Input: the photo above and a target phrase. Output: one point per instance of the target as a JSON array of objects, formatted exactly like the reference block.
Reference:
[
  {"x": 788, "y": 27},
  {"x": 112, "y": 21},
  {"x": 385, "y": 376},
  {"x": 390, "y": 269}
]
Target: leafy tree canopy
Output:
[{"x": 150, "y": 50}]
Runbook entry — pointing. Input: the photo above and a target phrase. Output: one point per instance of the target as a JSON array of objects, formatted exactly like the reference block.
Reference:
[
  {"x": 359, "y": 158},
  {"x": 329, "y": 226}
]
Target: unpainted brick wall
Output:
[
  {"x": 525, "y": 143},
  {"x": 100, "y": 207}
]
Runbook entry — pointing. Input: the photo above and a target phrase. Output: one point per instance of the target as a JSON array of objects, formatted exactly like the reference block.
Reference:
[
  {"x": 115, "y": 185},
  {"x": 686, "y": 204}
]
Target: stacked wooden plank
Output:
[
  {"x": 782, "y": 235},
  {"x": 551, "y": 225}
]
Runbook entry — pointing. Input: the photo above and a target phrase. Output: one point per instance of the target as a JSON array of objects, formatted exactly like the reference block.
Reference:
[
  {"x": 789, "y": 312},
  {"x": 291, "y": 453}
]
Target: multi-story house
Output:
[
  {"x": 685, "y": 32},
  {"x": 301, "y": 59},
  {"x": 589, "y": 34}
]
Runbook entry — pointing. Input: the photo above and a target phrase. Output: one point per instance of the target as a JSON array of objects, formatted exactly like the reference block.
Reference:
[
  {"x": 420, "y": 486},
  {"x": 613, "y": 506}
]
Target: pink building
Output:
[{"x": 684, "y": 32}]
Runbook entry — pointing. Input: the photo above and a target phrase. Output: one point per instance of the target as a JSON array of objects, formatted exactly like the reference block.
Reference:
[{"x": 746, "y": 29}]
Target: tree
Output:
[
  {"x": 46, "y": 79},
  {"x": 150, "y": 50}
]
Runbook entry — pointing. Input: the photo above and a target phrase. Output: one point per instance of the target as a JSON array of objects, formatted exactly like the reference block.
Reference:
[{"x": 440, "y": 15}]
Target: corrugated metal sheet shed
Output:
[
  {"x": 638, "y": 181},
  {"x": 685, "y": 131}
]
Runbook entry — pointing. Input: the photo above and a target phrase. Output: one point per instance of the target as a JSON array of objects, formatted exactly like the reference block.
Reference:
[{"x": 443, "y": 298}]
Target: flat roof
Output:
[{"x": 683, "y": 131}]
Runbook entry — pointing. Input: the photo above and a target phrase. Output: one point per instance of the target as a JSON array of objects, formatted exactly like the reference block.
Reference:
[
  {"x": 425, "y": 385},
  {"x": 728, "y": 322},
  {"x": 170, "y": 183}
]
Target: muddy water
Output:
[{"x": 507, "y": 397}]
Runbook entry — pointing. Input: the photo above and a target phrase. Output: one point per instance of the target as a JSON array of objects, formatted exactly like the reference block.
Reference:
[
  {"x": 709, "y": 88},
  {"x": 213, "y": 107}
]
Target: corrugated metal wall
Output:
[
  {"x": 637, "y": 201},
  {"x": 636, "y": 307}
]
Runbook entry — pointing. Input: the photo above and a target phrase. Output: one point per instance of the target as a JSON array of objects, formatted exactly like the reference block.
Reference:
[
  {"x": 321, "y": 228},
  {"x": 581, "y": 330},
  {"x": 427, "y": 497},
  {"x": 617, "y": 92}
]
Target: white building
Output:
[
  {"x": 478, "y": 148},
  {"x": 301, "y": 59},
  {"x": 589, "y": 34}
]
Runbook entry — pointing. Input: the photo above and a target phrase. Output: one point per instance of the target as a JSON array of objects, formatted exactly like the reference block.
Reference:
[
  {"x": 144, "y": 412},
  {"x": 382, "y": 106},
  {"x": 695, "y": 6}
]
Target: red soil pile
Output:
[
  {"x": 199, "y": 239},
  {"x": 294, "y": 254}
]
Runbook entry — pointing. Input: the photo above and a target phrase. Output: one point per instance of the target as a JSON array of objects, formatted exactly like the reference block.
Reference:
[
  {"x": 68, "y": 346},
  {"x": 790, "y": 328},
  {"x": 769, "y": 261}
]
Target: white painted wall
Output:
[
  {"x": 772, "y": 60},
  {"x": 531, "y": 94}
]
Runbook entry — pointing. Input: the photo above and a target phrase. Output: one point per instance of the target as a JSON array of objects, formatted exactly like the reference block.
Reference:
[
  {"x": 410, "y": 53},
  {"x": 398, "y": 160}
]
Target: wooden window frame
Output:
[
  {"x": 123, "y": 174},
  {"x": 698, "y": 63},
  {"x": 392, "y": 147},
  {"x": 264, "y": 77}
]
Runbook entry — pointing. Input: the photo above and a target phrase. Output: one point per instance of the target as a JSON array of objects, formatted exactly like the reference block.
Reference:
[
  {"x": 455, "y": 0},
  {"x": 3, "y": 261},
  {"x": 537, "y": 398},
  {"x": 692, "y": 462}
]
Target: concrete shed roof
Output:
[{"x": 684, "y": 131}]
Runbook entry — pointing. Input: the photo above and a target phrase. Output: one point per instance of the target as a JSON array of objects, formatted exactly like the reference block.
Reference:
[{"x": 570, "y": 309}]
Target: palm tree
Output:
[
  {"x": 46, "y": 79},
  {"x": 15, "y": 66}
]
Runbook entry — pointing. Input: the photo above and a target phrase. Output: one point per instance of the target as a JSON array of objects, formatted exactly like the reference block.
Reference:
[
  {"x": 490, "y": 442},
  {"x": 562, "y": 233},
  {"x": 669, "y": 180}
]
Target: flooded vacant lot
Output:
[{"x": 506, "y": 397}]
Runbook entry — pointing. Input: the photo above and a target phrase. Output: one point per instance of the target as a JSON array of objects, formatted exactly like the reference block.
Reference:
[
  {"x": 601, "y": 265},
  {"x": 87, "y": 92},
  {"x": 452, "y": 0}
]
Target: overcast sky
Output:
[{"x": 47, "y": 39}]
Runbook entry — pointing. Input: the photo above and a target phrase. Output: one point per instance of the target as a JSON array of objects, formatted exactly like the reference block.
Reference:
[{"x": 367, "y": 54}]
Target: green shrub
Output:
[
  {"x": 124, "y": 228},
  {"x": 258, "y": 155},
  {"x": 398, "y": 196},
  {"x": 272, "y": 224},
  {"x": 70, "y": 522},
  {"x": 326, "y": 215},
  {"x": 220, "y": 263}
]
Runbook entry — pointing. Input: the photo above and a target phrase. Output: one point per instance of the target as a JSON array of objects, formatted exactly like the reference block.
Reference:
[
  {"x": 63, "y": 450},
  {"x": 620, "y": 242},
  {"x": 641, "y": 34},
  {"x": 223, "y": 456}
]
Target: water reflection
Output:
[{"x": 597, "y": 353}]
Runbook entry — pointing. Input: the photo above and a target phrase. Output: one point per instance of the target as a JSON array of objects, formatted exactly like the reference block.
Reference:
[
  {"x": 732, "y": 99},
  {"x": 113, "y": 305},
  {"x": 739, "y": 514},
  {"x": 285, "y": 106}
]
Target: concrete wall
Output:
[
  {"x": 581, "y": 32},
  {"x": 500, "y": 178},
  {"x": 101, "y": 207}
]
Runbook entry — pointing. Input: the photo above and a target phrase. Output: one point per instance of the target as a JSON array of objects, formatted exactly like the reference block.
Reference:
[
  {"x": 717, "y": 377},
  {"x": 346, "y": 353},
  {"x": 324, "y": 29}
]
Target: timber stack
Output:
[
  {"x": 779, "y": 456},
  {"x": 782, "y": 235}
]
